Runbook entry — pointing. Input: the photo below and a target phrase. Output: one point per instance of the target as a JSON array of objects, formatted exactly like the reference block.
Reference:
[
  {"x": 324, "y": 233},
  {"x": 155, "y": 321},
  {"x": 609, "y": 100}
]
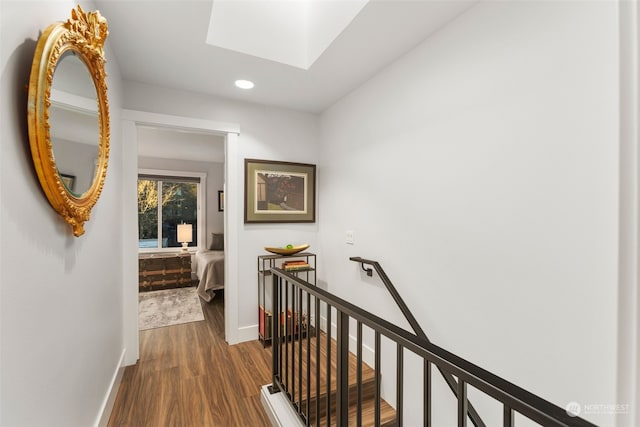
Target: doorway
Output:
[{"x": 133, "y": 122}]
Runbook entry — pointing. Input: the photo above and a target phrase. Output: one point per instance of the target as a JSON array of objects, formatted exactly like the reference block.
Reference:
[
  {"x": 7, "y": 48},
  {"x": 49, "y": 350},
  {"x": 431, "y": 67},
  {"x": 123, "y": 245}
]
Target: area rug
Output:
[{"x": 157, "y": 309}]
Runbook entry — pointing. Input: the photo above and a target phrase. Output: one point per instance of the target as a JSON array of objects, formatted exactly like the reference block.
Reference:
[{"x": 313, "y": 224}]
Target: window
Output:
[{"x": 164, "y": 201}]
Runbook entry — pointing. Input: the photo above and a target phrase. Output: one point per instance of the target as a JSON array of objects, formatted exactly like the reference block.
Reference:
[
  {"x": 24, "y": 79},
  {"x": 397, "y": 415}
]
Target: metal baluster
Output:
[
  {"x": 308, "y": 336},
  {"x": 427, "y": 393},
  {"x": 377, "y": 368},
  {"x": 291, "y": 337},
  {"x": 276, "y": 360},
  {"x": 462, "y": 403},
  {"x": 359, "y": 374},
  {"x": 507, "y": 416},
  {"x": 399, "y": 383},
  {"x": 275, "y": 335},
  {"x": 300, "y": 333},
  {"x": 342, "y": 374},
  {"x": 328, "y": 365},
  {"x": 286, "y": 343},
  {"x": 317, "y": 326}
]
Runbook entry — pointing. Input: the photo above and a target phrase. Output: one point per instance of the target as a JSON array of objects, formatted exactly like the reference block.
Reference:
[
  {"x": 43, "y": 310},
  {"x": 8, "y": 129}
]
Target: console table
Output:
[{"x": 265, "y": 264}]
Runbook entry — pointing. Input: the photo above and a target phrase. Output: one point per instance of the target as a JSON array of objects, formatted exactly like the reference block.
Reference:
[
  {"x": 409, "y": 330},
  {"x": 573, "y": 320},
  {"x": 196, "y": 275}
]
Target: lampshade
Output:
[{"x": 185, "y": 233}]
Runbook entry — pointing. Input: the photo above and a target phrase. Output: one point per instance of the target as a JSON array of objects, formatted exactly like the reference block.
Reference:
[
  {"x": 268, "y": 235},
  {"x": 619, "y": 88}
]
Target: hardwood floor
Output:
[{"x": 187, "y": 375}]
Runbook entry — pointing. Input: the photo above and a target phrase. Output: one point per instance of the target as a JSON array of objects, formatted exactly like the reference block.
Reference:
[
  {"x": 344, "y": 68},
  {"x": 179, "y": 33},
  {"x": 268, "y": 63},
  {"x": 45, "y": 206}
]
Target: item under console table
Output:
[{"x": 164, "y": 271}]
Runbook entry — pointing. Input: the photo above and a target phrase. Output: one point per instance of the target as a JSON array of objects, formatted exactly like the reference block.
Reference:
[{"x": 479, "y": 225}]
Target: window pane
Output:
[
  {"x": 147, "y": 213},
  {"x": 179, "y": 205}
]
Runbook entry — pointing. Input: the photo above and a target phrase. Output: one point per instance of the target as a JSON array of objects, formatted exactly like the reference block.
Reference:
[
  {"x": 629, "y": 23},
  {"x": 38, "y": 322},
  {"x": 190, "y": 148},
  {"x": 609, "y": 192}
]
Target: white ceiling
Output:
[{"x": 164, "y": 42}]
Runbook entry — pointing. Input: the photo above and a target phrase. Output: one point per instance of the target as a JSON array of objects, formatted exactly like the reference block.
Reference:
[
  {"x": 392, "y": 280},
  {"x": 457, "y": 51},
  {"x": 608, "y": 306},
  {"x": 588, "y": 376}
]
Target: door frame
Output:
[{"x": 131, "y": 120}]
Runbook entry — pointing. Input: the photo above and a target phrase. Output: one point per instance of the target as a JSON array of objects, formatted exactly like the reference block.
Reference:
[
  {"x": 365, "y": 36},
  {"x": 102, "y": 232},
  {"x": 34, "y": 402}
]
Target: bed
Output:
[{"x": 210, "y": 271}]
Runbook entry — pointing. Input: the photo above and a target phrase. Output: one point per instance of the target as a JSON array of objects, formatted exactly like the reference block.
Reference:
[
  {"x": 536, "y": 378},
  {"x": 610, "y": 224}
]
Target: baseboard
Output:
[
  {"x": 247, "y": 333},
  {"x": 110, "y": 397},
  {"x": 278, "y": 409}
]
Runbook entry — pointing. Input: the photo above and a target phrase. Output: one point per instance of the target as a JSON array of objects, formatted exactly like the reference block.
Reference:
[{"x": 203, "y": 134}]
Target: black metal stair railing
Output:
[{"x": 319, "y": 396}]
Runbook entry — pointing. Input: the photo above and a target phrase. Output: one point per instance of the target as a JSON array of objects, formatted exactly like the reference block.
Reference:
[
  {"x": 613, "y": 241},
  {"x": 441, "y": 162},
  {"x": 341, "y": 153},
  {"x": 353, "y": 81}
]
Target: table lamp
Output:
[{"x": 185, "y": 235}]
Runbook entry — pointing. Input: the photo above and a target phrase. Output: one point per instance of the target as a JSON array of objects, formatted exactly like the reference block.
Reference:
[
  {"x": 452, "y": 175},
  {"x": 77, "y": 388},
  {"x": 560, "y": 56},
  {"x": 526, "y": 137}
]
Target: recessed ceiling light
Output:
[{"x": 244, "y": 84}]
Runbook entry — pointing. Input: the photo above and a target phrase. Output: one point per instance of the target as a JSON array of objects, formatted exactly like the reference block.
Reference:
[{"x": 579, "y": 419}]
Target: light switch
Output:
[{"x": 349, "y": 237}]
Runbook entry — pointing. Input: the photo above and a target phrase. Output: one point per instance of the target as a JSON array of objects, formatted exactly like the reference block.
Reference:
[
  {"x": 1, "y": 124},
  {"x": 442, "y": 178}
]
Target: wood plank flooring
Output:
[{"x": 187, "y": 375}]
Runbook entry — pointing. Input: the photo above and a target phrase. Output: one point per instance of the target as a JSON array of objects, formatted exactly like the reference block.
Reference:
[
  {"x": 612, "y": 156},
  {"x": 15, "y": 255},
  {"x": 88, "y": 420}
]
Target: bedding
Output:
[{"x": 210, "y": 271}]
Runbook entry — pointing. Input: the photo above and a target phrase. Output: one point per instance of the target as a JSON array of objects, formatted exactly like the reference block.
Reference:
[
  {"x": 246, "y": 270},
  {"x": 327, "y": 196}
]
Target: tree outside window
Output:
[{"x": 157, "y": 228}]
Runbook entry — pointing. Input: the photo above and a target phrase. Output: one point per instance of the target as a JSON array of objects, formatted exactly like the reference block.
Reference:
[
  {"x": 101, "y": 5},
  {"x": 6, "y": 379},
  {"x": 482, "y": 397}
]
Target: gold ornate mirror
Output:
[{"x": 68, "y": 115}]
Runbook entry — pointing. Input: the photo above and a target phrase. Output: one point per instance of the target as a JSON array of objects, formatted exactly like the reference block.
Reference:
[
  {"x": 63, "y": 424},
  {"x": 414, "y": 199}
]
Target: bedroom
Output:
[{"x": 187, "y": 170}]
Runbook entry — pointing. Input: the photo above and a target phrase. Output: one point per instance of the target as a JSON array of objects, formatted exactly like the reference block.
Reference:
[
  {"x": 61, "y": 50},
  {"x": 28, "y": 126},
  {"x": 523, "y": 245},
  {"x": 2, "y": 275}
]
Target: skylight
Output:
[{"x": 293, "y": 32}]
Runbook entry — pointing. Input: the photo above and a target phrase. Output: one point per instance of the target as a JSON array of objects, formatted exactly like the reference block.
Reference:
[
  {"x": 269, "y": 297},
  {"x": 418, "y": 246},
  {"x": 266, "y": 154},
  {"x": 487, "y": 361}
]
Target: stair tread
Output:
[
  {"x": 298, "y": 389},
  {"x": 368, "y": 373},
  {"x": 387, "y": 414}
]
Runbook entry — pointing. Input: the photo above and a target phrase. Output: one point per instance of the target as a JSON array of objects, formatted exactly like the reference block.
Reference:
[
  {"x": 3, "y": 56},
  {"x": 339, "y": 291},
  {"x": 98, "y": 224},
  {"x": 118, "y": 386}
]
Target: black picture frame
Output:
[
  {"x": 279, "y": 192},
  {"x": 220, "y": 201}
]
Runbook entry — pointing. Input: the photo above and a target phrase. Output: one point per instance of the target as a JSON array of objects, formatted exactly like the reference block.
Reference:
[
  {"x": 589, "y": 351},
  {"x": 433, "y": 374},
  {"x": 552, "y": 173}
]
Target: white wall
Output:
[
  {"x": 481, "y": 170},
  {"x": 60, "y": 296},
  {"x": 265, "y": 133}
]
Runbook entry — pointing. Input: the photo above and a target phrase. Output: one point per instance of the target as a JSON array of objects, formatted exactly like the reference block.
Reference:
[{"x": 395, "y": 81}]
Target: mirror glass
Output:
[{"x": 73, "y": 116}]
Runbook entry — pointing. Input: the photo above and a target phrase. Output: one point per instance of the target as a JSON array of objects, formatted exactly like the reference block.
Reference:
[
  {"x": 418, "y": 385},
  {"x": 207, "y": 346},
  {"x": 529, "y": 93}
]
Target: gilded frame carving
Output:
[{"x": 85, "y": 35}]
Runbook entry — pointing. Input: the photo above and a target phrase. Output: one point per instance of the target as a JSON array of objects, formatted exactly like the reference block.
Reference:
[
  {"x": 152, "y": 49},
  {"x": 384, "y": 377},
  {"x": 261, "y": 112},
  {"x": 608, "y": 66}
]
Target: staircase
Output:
[
  {"x": 323, "y": 381},
  {"x": 314, "y": 403}
]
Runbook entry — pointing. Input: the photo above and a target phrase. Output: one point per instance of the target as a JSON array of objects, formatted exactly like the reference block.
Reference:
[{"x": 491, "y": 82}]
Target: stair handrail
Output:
[
  {"x": 514, "y": 397},
  {"x": 417, "y": 329}
]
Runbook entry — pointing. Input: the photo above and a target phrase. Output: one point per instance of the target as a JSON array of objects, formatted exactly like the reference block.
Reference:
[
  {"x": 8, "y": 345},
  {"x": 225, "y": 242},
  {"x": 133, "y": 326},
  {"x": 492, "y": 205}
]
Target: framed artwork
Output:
[
  {"x": 220, "y": 201},
  {"x": 279, "y": 191},
  {"x": 68, "y": 180}
]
